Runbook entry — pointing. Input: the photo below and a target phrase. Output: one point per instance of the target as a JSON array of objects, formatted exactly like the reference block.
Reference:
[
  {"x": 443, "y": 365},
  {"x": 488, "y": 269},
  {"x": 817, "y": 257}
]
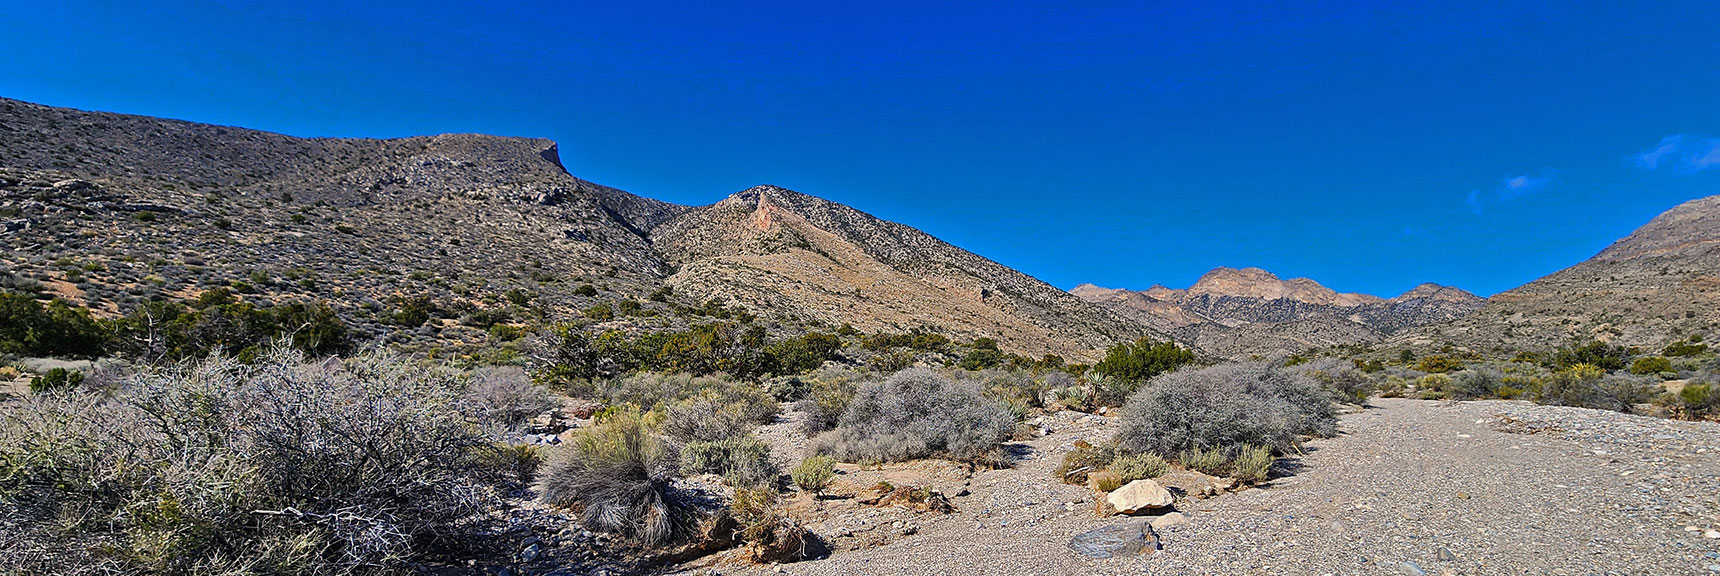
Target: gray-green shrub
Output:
[
  {"x": 219, "y": 467},
  {"x": 918, "y": 413},
  {"x": 742, "y": 460},
  {"x": 1226, "y": 406}
]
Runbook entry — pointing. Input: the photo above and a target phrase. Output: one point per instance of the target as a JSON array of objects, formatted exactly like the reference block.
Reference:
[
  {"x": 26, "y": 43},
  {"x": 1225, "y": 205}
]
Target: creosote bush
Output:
[
  {"x": 1589, "y": 386},
  {"x": 1226, "y": 406},
  {"x": 918, "y": 413},
  {"x": 274, "y": 467}
]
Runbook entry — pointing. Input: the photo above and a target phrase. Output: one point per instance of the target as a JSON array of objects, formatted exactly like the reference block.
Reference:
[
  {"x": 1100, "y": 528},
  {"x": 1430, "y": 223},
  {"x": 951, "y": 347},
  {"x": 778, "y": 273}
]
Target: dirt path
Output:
[{"x": 1472, "y": 488}]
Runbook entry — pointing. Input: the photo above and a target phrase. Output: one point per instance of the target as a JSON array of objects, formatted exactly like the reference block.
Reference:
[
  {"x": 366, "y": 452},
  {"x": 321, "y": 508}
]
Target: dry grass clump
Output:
[
  {"x": 918, "y": 413},
  {"x": 620, "y": 474},
  {"x": 1132, "y": 467},
  {"x": 742, "y": 460},
  {"x": 648, "y": 389},
  {"x": 279, "y": 466},
  {"x": 827, "y": 397}
]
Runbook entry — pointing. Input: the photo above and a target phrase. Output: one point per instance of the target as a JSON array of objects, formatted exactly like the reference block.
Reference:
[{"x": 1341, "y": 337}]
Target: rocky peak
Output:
[
  {"x": 1263, "y": 285},
  {"x": 1688, "y": 229},
  {"x": 1439, "y": 292}
]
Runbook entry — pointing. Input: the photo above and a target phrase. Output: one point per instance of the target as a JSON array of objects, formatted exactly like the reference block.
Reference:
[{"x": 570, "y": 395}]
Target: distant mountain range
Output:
[
  {"x": 1239, "y": 312},
  {"x": 110, "y": 210}
]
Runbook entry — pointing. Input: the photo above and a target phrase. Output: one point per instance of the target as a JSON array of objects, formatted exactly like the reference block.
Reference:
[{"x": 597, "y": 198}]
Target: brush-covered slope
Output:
[
  {"x": 113, "y": 210},
  {"x": 1243, "y": 312},
  {"x": 1659, "y": 284}
]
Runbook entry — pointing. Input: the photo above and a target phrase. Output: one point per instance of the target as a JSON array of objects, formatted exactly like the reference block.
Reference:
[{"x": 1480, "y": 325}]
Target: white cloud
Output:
[
  {"x": 1684, "y": 153},
  {"x": 1510, "y": 188}
]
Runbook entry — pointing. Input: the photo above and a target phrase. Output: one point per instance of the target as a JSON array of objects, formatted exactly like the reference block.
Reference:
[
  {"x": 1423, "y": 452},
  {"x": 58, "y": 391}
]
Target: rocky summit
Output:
[{"x": 1239, "y": 312}]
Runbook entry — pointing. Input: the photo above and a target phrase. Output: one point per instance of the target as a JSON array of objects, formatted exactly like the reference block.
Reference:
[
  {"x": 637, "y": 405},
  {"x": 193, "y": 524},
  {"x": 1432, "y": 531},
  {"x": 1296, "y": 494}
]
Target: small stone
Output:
[
  {"x": 1411, "y": 569},
  {"x": 1445, "y": 555},
  {"x": 1711, "y": 534},
  {"x": 1462, "y": 495},
  {"x": 1169, "y": 520}
]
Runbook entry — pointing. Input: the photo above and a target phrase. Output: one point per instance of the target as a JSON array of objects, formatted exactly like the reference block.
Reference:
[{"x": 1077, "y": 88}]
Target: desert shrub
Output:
[
  {"x": 221, "y": 467},
  {"x": 621, "y": 474},
  {"x": 1081, "y": 462},
  {"x": 1141, "y": 361},
  {"x": 1687, "y": 347},
  {"x": 27, "y": 327},
  {"x": 1477, "y": 382},
  {"x": 983, "y": 354},
  {"x": 1226, "y": 406},
  {"x": 706, "y": 418},
  {"x": 804, "y": 353},
  {"x": 1439, "y": 364},
  {"x": 1433, "y": 387},
  {"x": 748, "y": 402},
  {"x": 1393, "y": 386},
  {"x": 600, "y": 312},
  {"x": 918, "y": 413},
  {"x": 1019, "y": 389},
  {"x": 789, "y": 388},
  {"x": 504, "y": 396},
  {"x": 814, "y": 474},
  {"x": 1696, "y": 401},
  {"x": 1251, "y": 464},
  {"x": 1343, "y": 379},
  {"x": 55, "y": 380},
  {"x": 742, "y": 460},
  {"x": 1650, "y": 365},
  {"x": 1132, "y": 467},
  {"x": 1214, "y": 461},
  {"x": 831, "y": 391},
  {"x": 1108, "y": 391},
  {"x": 1607, "y": 357},
  {"x": 1587, "y": 386}
]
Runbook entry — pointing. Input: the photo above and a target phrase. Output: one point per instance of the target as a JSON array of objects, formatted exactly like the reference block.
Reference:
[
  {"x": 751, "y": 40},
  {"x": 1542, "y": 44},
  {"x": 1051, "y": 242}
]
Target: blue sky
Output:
[{"x": 1368, "y": 145}]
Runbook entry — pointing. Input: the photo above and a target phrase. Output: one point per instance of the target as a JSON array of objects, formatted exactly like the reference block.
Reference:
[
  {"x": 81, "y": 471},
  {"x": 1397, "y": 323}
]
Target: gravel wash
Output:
[{"x": 1409, "y": 487}]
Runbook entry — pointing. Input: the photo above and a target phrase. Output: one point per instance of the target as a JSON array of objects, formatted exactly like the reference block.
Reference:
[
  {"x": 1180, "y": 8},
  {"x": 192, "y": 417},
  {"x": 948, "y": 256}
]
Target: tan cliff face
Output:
[
  {"x": 1249, "y": 311},
  {"x": 1656, "y": 285}
]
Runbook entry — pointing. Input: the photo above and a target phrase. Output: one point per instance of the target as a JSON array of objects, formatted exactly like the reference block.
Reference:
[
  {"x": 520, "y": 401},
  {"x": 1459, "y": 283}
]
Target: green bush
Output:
[
  {"x": 918, "y": 413},
  {"x": 1142, "y": 361},
  {"x": 1696, "y": 401},
  {"x": 1214, "y": 461},
  {"x": 600, "y": 312},
  {"x": 27, "y": 327},
  {"x": 1438, "y": 364},
  {"x": 1252, "y": 464},
  {"x": 1650, "y": 365},
  {"x": 1607, "y": 357},
  {"x": 1132, "y": 467},
  {"x": 218, "y": 467},
  {"x": 814, "y": 474},
  {"x": 621, "y": 475},
  {"x": 56, "y": 380},
  {"x": 1225, "y": 407},
  {"x": 804, "y": 353}
]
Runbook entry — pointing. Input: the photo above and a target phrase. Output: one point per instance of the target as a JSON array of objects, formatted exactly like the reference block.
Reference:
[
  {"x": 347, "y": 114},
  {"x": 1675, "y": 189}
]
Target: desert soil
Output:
[{"x": 1409, "y": 487}]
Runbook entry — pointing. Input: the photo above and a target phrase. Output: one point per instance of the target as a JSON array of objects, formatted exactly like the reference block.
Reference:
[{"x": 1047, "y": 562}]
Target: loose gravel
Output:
[{"x": 1409, "y": 487}]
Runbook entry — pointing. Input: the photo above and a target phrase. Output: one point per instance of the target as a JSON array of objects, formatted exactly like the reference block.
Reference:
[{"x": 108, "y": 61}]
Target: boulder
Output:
[
  {"x": 1169, "y": 520},
  {"x": 1139, "y": 496},
  {"x": 1116, "y": 541}
]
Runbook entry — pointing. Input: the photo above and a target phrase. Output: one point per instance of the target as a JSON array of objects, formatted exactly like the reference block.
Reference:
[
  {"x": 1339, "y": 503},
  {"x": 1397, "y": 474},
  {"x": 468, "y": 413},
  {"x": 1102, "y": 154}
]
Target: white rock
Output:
[{"x": 1140, "y": 495}]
